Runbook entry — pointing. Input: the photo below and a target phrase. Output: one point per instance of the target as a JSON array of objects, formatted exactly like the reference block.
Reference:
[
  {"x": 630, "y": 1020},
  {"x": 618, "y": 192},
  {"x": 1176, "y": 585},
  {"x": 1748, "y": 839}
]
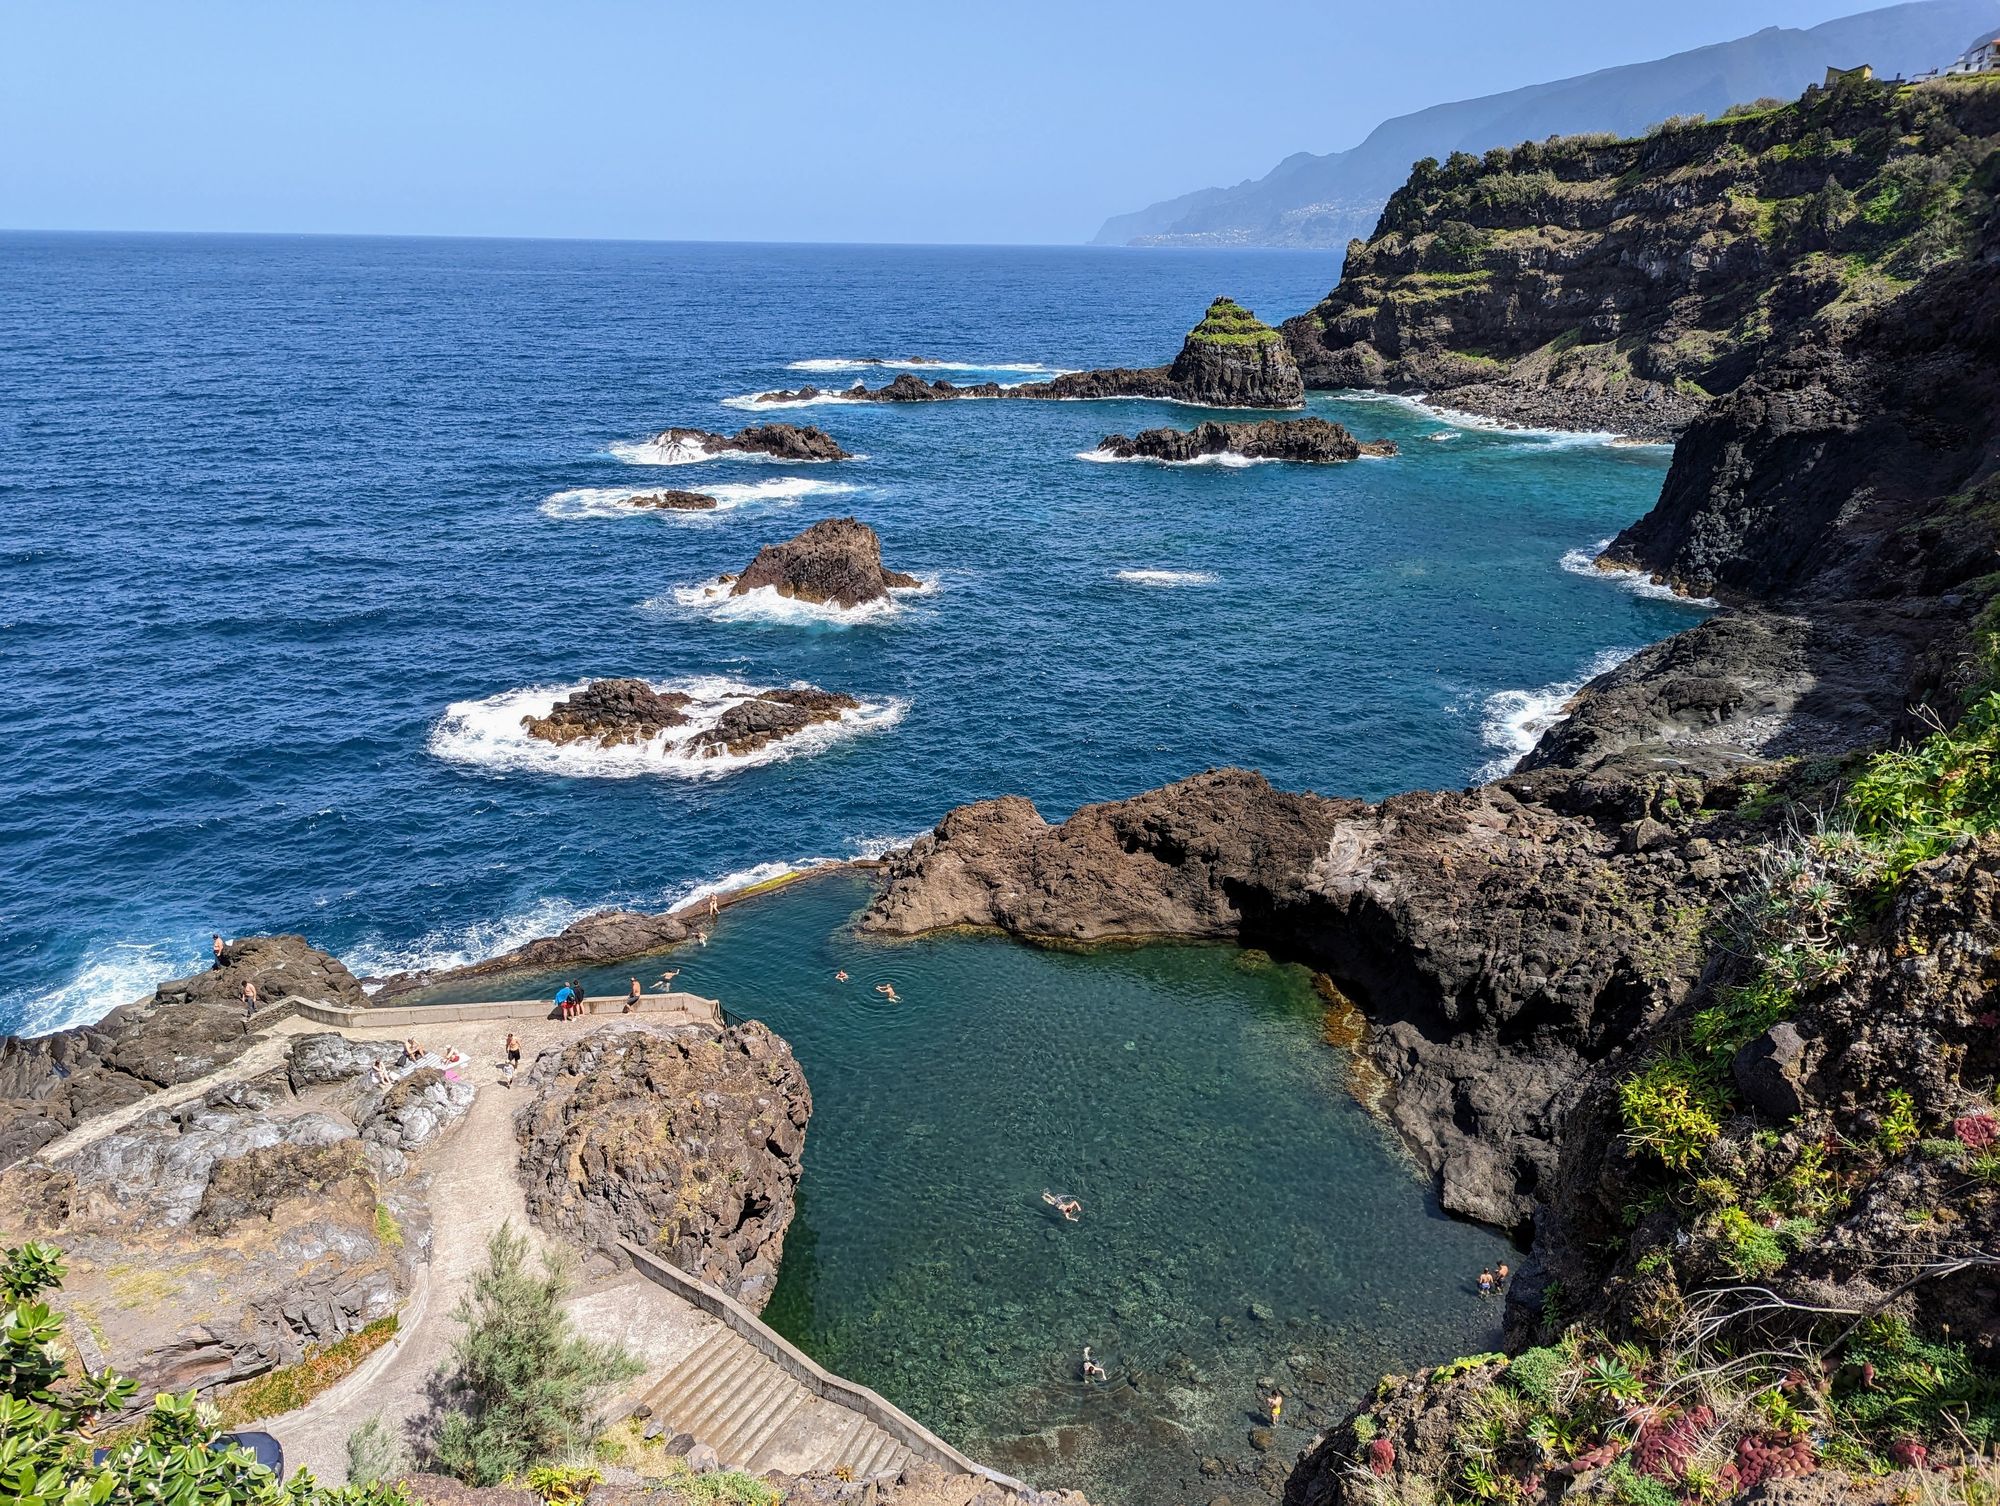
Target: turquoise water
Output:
[
  {"x": 272, "y": 508},
  {"x": 1245, "y": 1220}
]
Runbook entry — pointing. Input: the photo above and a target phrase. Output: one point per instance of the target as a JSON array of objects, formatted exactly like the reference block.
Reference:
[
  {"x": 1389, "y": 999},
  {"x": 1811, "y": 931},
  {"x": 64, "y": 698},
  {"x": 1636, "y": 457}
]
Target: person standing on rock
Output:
[
  {"x": 215, "y": 946},
  {"x": 632, "y": 996},
  {"x": 250, "y": 999}
]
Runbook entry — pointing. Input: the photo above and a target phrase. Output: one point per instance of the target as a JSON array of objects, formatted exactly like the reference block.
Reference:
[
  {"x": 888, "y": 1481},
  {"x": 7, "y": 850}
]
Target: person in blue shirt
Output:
[{"x": 565, "y": 1001}]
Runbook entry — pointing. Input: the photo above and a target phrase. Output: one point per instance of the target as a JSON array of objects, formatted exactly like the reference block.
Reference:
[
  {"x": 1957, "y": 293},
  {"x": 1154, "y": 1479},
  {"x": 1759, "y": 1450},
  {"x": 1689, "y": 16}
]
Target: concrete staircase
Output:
[{"x": 758, "y": 1417}]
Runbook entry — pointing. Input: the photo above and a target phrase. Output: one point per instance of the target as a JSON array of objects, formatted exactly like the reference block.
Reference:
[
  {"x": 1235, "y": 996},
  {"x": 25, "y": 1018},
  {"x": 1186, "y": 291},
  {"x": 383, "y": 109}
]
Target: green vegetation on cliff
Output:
[{"x": 1227, "y": 322}]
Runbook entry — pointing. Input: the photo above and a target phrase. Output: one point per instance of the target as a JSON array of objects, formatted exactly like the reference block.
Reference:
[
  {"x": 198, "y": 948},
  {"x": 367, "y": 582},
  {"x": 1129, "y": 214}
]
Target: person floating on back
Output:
[{"x": 1064, "y": 1204}]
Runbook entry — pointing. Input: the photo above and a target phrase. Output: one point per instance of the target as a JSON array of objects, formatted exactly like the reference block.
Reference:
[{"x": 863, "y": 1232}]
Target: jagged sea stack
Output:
[
  {"x": 836, "y": 562},
  {"x": 1234, "y": 360}
]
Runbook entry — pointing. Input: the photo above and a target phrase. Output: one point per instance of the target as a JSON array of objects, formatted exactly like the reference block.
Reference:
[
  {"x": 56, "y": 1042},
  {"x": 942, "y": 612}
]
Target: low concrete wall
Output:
[
  {"x": 693, "y": 1007},
  {"x": 807, "y": 1371}
]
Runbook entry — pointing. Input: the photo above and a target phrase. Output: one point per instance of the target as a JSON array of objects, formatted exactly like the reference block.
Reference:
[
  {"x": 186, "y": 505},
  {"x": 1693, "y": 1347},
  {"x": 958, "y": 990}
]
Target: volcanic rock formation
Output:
[
  {"x": 683, "y": 1142},
  {"x": 1312, "y": 440},
  {"x": 836, "y": 562},
  {"x": 780, "y": 441}
]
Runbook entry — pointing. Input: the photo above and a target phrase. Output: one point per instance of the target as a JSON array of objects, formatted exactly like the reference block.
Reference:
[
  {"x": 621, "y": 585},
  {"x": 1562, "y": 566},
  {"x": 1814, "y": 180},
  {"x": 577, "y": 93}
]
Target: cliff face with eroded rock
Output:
[
  {"x": 1700, "y": 998},
  {"x": 1592, "y": 283}
]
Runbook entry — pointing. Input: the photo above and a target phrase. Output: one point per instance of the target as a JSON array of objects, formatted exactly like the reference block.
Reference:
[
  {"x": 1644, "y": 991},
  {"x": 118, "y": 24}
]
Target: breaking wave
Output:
[
  {"x": 488, "y": 734},
  {"x": 654, "y": 451},
  {"x": 1228, "y": 459},
  {"x": 121, "y": 972},
  {"x": 1638, "y": 582},
  {"x": 764, "y": 604},
  {"x": 461, "y": 946},
  {"x": 1167, "y": 577},
  {"x": 1513, "y": 721},
  {"x": 849, "y": 363},
  {"x": 616, "y": 502}
]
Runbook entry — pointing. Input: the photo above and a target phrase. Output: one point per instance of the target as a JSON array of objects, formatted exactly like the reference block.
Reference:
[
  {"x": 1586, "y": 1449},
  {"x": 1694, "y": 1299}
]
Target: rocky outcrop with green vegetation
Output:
[
  {"x": 1594, "y": 283},
  {"x": 1231, "y": 359},
  {"x": 1707, "y": 992}
]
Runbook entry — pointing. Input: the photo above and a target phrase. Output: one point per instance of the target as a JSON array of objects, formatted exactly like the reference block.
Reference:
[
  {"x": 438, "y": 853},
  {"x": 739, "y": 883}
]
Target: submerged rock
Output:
[
  {"x": 673, "y": 500},
  {"x": 615, "y": 713},
  {"x": 837, "y": 561},
  {"x": 781, "y": 441},
  {"x": 684, "y": 1142},
  {"x": 1312, "y": 440}
]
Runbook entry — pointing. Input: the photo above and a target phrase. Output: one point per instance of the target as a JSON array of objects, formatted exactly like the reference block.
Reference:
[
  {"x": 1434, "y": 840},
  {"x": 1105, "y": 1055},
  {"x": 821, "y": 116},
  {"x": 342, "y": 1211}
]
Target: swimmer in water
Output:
[
  {"x": 1092, "y": 1371},
  {"x": 1064, "y": 1204},
  {"x": 888, "y": 991},
  {"x": 841, "y": 976}
]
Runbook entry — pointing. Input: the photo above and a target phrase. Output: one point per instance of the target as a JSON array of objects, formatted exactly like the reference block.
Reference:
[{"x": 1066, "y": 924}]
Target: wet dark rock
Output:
[
  {"x": 673, "y": 500},
  {"x": 1770, "y": 1073},
  {"x": 610, "y": 713},
  {"x": 837, "y": 562},
  {"x": 1311, "y": 440},
  {"x": 592, "y": 941},
  {"x": 780, "y": 441},
  {"x": 772, "y": 717},
  {"x": 682, "y": 1141}
]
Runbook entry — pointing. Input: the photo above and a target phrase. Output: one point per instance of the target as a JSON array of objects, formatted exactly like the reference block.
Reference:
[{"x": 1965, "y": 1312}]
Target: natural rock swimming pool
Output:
[{"x": 1246, "y": 1222}]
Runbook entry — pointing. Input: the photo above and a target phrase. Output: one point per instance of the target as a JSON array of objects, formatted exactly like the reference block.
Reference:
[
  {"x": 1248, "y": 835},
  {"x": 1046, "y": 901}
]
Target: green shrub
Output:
[
  {"x": 1904, "y": 1386},
  {"x": 561, "y": 1485},
  {"x": 1536, "y": 1374},
  {"x": 374, "y": 1453},
  {"x": 1750, "y": 1248},
  {"x": 526, "y": 1384},
  {"x": 1674, "y": 1109},
  {"x": 1915, "y": 801},
  {"x": 1899, "y": 1126}
]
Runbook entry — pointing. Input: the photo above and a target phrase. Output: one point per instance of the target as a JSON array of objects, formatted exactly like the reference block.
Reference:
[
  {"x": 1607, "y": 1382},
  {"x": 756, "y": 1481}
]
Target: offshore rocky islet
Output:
[{"x": 1658, "y": 779}]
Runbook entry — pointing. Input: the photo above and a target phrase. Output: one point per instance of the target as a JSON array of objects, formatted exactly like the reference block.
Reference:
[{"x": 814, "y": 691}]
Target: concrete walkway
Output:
[{"x": 701, "y": 1377}]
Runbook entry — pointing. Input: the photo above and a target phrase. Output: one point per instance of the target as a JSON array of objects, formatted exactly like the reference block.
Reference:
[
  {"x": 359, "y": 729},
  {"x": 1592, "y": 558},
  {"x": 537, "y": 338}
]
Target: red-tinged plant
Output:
[
  {"x": 1664, "y": 1447},
  {"x": 1381, "y": 1455},
  {"x": 1976, "y": 1131},
  {"x": 1767, "y": 1456}
]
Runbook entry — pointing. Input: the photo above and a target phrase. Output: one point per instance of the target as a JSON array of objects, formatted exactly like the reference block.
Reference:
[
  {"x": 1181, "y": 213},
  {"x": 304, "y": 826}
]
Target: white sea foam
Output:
[
  {"x": 1167, "y": 577},
  {"x": 658, "y": 450},
  {"x": 1513, "y": 721},
  {"x": 488, "y": 733},
  {"x": 1227, "y": 459},
  {"x": 1550, "y": 439},
  {"x": 119, "y": 972},
  {"x": 461, "y": 946},
  {"x": 1638, "y": 582},
  {"x": 846, "y": 363},
  {"x": 873, "y": 848},
  {"x": 742, "y": 878},
  {"x": 764, "y": 402},
  {"x": 616, "y": 502},
  {"x": 713, "y": 599}
]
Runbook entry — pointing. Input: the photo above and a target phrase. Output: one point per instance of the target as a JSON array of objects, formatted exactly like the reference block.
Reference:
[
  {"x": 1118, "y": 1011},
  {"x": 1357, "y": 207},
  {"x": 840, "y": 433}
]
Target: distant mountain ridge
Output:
[{"x": 1311, "y": 200}]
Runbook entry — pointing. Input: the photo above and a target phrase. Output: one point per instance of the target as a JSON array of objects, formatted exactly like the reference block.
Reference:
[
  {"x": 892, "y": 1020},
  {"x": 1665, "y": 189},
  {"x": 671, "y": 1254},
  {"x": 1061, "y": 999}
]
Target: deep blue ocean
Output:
[{"x": 271, "y": 507}]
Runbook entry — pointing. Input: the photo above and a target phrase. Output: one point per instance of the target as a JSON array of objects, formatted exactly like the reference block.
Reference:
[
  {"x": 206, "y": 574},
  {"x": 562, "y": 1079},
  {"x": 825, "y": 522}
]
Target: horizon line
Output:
[{"x": 640, "y": 240}]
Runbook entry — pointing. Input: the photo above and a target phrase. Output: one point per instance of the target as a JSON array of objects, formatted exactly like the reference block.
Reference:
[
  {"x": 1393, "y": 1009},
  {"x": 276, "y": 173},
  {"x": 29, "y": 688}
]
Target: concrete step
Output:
[
  {"x": 742, "y": 1442},
  {"x": 692, "y": 1405},
  {"x": 758, "y": 1389},
  {"x": 761, "y": 1453}
]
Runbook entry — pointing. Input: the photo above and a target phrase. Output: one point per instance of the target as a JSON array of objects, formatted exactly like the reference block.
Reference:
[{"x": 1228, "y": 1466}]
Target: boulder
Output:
[
  {"x": 673, "y": 500},
  {"x": 780, "y": 441},
  {"x": 683, "y": 1141},
  {"x": 837, "y": 562},
  {"x": 1770, "y": 1072},
  {"x": 771, "y": 717}
]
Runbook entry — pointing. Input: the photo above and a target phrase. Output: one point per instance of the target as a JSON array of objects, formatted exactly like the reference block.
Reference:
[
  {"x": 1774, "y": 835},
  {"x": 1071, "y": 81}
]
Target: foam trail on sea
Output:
[
  {"x": 847, "y": 363},
  {"x": 488, "y": 734},
  {"x": 1228, "y": 459},
  {"x": 1550, "y": 439},
  {"x": 121, "y": 972},
  {"x": 713, "y": 599},
  {"x": 1638, "y": 582},
  {"x": 461, "y": 946},
  {"x": 1167, "y": 577},
  {"x": 616, "y": 502},
  {"x": 1513, "y": 721}
]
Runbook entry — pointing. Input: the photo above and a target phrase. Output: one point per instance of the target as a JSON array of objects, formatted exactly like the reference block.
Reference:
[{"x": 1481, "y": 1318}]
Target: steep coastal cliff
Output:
[
  {"x": 1587, "y": 282},
  {"x": 1704, "y": 990}
]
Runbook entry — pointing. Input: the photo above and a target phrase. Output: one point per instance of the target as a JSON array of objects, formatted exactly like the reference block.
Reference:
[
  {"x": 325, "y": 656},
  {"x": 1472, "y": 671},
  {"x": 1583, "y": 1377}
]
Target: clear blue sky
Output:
[{"x": 846, "y": 120}]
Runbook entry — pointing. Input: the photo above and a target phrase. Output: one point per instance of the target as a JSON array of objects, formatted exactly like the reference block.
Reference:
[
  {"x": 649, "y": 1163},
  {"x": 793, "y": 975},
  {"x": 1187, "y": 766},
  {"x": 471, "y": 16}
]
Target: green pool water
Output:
[{"x": 1245, "y": 1221}]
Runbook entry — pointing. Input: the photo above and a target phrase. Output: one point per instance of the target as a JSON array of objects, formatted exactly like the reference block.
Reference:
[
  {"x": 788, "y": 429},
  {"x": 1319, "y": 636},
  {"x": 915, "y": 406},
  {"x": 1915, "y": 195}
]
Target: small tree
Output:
[{"x": 527, "y": 1383}]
